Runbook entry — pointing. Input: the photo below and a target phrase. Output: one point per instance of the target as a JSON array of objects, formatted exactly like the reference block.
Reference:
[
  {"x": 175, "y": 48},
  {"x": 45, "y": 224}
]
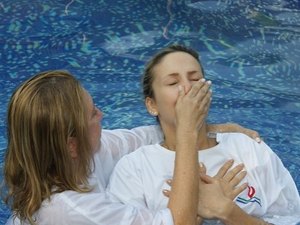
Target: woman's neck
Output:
[{"x": 204, "y": 142}]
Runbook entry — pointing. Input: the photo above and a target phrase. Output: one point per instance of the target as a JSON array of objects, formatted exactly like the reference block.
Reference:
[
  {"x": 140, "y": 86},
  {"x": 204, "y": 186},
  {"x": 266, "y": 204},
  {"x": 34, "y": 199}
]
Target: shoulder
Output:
[
  {"x": 234, "y": 137},
  {"x": 244, "y": 146},
  {"x": 136, "y": 159}
]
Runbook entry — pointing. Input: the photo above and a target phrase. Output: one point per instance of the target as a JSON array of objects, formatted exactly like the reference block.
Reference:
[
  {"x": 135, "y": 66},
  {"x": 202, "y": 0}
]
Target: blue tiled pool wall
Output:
[{"x": 249, "y": 49}]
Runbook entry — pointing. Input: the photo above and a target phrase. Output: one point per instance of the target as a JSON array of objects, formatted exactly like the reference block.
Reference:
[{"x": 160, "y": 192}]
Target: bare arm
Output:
[
  {"x": 234, "y": 215},
  {"x": 184, "y": 196}
]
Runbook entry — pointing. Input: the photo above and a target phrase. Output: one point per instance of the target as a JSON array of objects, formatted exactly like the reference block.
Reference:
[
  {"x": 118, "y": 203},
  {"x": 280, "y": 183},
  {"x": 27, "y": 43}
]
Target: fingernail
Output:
[
  {"x": 169, "y": 181},
  {"x": 208, "y": 82},
  {"x": 230, "y": 160},
  {"x": 179, "y": 88},
  {"x": 257, "y": 139},
  {"x": 202, "y": 80}
]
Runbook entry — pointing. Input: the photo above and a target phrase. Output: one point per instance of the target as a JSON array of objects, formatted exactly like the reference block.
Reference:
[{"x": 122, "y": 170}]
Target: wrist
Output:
[
  {"x": 234, "y": 215},
  {"x": 187, "y": 135},
  {"x": 226, "y": 211}
]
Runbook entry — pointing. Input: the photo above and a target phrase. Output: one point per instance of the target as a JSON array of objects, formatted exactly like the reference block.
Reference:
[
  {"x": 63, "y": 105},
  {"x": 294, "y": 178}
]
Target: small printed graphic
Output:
[
  {"x": 251, "y": 191},
  {"x": 251, "y": 197}
]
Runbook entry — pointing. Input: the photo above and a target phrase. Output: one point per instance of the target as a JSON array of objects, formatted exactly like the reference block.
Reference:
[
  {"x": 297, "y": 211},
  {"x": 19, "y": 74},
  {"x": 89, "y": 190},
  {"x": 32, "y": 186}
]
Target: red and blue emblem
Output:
[{"x": 251, "y": 197}]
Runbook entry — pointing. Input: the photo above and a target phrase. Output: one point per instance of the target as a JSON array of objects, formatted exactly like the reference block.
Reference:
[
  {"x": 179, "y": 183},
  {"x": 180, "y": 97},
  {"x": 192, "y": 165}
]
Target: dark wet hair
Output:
[{"x": 148, "y": 77}]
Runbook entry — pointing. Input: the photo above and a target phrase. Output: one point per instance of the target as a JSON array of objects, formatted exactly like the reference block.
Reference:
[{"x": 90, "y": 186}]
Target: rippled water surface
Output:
[{"x": 249, "y": 49}]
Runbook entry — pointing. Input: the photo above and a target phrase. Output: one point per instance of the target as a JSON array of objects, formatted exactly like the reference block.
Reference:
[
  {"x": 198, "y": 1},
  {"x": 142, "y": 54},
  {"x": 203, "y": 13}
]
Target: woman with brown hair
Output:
[{"x": 270, "y": 193}]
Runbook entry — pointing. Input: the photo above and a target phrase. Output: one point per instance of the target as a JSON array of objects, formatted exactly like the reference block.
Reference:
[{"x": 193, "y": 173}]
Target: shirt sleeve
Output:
[
  {"x": 122, "y": 141},
  {"x": 126, "y": 186},
  {"x": 98, "y": 209},
  {"x": 283, "y": 220},
  {"x": 117, "y": 143},
  {"x": 125, "y": 183},
  {"x": 73, "y": 208},
  {"x": 280, "y": 193}
]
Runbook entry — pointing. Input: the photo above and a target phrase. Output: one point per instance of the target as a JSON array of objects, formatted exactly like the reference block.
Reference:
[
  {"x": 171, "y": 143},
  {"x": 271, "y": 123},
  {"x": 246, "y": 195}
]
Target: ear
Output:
[
  {"x": 72, "y": 146},
  {"x": 151, "y": 106}
]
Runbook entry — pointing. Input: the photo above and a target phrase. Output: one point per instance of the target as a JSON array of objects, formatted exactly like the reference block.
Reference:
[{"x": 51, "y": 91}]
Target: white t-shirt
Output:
[
  {"x": 140, "y": 177},
  {"x": 96, "y": 207}
]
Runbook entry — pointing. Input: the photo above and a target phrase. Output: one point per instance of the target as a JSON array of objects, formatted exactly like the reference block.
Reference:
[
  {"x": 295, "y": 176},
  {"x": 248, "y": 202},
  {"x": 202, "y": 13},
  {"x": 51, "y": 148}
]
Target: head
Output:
[
  {"x": 53, "y": 129},
  {"x": 169, "y": 68}
]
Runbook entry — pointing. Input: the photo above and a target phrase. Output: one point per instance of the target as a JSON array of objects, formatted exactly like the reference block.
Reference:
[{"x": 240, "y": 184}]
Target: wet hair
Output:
[
  {"x": 43, "y": 113},
  {"x": 148, "y": 75}
]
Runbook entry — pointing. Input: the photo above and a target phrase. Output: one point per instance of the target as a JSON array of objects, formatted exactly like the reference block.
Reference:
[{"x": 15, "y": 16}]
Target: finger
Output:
[
  {"x": 181, "y": 92},
  {"x": 253, "y": 134},
  {"x": 203, "y": 111},
  {"x": 166, "y": 193},
  {"x": 199, "y": 219},
  {"x": 169, "y": 182},
  {"x": 202, "y": 168},
  {"x": 238, "y": 190},
  {"x": 204, "y": 89},
  {"x": 224, "y": 169},
  {"x": 196, "y": 88},
  {"x": 258, "y": 139},
  {"x": 232, "y": 173},
  {"x": 238, "y": 178},
  {"x": 206, "y": 179},
  {"x": 204, "y": 101}
]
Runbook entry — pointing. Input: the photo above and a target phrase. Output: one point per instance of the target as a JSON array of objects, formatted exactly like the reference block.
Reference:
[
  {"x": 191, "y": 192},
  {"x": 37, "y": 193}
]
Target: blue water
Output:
[{"x": 249, "y": 49}]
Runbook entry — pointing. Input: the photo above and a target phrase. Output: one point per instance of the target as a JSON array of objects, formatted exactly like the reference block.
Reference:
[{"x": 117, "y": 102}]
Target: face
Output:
[
  {"x": 94, "y": 122},
  {"x": 178, "y": 68}
]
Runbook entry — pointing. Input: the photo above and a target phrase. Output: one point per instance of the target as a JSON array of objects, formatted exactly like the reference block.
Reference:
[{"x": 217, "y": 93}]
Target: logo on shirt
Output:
[{"x": 251, "y": 198}]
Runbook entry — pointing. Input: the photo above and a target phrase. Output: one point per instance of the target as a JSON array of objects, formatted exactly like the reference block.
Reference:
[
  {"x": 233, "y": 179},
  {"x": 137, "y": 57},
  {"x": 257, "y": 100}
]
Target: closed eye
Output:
[{"x": 173, "y": 83}]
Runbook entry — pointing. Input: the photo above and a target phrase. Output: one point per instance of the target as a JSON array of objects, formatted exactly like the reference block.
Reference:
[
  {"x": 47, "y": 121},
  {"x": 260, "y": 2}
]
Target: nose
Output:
[
  {"x": 187, "y": 86},
  {"x": 100, "y": 113}
]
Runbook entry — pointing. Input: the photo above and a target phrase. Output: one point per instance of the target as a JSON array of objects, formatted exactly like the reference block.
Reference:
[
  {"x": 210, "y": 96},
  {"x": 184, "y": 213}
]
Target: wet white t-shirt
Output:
[
  {"x": 140, "y": 177},
  {"x": 97, "y": 207}
]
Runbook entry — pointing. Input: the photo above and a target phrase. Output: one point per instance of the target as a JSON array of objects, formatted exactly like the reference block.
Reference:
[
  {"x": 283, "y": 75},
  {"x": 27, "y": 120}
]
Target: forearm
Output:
[
  {"x": 212, "y": 129},
  {"x": 184, "y": 196},
  {"x": 224, "y": 127}
]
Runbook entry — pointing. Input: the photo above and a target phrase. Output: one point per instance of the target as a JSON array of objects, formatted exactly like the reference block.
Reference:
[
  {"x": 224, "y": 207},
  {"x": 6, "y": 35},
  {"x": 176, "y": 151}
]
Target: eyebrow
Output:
[{"x": 189, "y": 73}]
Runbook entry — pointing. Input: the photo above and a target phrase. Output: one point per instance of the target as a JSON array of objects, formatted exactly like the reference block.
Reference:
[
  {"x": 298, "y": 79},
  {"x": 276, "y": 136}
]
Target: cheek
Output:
[{"x": 168, "y": 96}]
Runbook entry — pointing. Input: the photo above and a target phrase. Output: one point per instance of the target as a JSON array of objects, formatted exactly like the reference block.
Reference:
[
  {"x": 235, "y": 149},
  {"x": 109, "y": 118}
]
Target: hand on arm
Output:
[
  {"x": 228, "y": 180},
  {"x": 233, "y": 127},
  {"x": 214, "y": 204}
]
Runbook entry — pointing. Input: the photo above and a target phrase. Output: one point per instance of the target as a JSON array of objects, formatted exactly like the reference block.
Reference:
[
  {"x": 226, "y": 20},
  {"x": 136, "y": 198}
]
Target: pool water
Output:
[{"x": 249, "y": 49}]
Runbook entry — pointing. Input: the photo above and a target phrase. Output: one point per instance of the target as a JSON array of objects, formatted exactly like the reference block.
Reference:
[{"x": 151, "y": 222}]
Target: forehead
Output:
[
  {"x": 177, "y": 61},
  {"x": 88, "y": 100}
]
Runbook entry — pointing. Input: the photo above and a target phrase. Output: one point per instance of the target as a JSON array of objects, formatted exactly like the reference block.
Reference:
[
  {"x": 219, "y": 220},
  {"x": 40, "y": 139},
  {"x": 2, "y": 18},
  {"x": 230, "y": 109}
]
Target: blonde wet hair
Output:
[{"x": 43, "y": 113}]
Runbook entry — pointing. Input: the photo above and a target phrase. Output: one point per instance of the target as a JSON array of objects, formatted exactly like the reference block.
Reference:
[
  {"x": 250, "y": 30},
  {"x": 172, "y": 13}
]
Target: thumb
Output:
[
  {"x": 202, "y": 168},
  {"x": 206, "y": 179}
]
